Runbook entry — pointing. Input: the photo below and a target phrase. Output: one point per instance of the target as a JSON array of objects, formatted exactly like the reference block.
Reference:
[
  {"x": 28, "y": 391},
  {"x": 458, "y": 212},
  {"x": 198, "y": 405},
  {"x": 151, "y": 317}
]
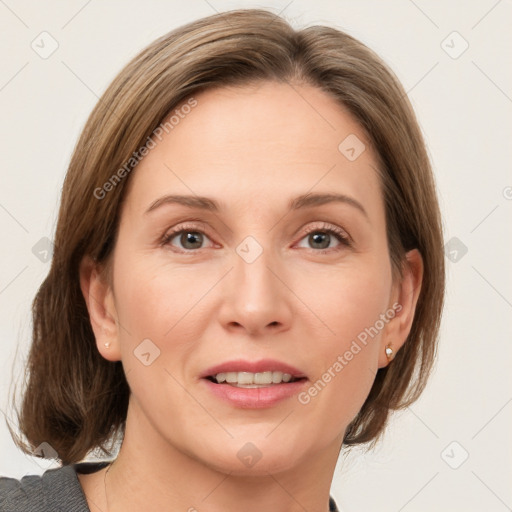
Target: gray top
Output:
[{"x": 57, "y": 490}]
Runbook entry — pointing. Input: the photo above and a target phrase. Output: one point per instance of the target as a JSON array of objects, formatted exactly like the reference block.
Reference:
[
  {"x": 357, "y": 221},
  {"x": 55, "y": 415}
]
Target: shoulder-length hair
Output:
[{"x": 74, "y": 399}]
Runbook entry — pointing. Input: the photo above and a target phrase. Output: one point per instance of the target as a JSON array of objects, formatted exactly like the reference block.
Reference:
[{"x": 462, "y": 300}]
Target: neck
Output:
[{"x": 150, "y": 473}]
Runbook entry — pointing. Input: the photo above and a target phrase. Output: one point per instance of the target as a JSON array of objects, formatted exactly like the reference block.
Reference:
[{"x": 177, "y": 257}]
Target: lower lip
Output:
[{"x": 255, "y": 398}]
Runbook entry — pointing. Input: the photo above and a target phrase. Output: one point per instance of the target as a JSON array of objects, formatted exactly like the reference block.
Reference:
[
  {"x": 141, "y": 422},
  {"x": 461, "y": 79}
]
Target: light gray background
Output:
[{"x": 464, "y": 106}]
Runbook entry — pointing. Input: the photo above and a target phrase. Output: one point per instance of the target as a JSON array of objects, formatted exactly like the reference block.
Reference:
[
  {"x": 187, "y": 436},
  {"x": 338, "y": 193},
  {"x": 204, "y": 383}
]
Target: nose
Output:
[{"x": 255, "y": 298}]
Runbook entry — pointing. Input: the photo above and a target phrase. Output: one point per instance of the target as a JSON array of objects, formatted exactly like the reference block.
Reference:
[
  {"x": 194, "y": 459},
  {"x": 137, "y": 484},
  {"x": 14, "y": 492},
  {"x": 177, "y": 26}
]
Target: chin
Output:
[
  {"x": 242, "y": 457},
  {"x": 270, "y": 464}
]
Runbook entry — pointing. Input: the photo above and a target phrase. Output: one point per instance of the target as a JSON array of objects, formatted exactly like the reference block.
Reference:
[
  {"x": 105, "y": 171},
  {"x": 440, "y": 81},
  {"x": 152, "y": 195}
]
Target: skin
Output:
[{"x": 253, "y": 149}]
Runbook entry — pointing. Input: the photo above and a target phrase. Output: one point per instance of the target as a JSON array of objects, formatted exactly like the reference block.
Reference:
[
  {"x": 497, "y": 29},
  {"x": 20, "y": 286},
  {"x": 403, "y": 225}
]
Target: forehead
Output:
[{"x": 255, "y": 143}]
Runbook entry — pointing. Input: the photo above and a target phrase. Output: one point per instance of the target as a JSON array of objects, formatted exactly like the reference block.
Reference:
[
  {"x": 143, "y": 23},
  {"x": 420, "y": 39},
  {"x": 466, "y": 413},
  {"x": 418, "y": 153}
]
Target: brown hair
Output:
[{"x": 74, "y": 399}]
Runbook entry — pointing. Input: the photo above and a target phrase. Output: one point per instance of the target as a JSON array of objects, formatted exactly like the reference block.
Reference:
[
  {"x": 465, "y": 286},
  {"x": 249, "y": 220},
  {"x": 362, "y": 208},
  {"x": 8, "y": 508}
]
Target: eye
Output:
[
  {"x": 321, "y": 237},
  {"x": 190, "y": 238}
]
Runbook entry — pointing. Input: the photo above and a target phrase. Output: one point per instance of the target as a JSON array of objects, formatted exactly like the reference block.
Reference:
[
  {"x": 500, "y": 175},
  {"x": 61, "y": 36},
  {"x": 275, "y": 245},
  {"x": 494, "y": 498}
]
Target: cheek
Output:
[
  {"x": 347, "y": 300},
  {"x": 171, "y": 306},
  {"x": 351, "y": 305},
  {"x": 155, "y": 300},
  {"x": 159, "y": 304}
]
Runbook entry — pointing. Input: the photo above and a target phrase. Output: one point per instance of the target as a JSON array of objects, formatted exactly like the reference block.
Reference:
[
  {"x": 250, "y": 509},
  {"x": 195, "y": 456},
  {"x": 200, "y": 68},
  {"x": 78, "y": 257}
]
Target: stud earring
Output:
[
  {"x": 390, "y": 353},
  {"x": 107, "y": 345}
]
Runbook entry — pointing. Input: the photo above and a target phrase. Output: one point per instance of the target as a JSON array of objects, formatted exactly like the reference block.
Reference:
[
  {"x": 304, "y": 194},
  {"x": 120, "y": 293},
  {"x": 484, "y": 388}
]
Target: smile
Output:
[{"x": 253, "y": 384}]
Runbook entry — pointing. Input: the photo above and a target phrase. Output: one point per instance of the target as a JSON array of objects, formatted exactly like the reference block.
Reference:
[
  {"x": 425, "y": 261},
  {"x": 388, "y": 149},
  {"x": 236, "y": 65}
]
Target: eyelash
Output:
[{"x": 340, "y": 234}]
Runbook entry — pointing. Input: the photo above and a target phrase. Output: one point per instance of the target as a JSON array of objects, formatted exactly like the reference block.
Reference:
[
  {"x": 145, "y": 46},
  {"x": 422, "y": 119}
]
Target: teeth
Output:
[
  {"x": 252, "y": 379},
  {"x": 245, "y": 378},
  {"x": 261, "y": 378}
]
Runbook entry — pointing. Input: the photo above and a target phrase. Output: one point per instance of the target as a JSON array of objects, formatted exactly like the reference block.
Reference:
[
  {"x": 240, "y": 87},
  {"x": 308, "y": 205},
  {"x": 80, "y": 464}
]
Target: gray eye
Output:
[
  {"x": 191, "y": 239},
  {"x": 319, "y": 239}
]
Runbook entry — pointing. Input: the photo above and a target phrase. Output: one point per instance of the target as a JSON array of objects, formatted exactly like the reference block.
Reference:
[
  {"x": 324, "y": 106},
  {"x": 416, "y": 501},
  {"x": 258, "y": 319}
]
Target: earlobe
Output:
[
  {"x": 99, "y": 299},
  {"x": 404, "y": 304}
]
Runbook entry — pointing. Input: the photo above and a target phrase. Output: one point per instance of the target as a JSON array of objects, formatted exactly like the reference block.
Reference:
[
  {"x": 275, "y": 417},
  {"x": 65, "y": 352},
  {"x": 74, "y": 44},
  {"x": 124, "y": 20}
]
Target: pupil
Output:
[
  {"x": 191, "y": 238},
  {"x": 317, "y": 238}
]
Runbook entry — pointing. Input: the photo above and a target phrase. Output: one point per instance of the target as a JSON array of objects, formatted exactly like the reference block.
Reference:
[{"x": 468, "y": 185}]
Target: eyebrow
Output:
[{"x": 300, "y": 202}]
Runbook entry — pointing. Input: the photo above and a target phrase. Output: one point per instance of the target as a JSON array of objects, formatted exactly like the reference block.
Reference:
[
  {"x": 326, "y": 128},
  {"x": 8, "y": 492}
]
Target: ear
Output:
[
  {"x": 99, "y": 297},
  {"x": 403, "y": 302}
]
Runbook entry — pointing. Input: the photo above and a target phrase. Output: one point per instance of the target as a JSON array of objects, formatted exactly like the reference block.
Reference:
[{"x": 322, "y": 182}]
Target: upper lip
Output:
[{"x": 262, "y": 365}]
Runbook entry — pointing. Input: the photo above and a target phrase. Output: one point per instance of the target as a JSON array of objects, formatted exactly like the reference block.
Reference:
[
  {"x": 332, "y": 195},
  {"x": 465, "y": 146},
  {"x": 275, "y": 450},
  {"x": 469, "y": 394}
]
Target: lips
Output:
[{"x": 246, "y": 384}]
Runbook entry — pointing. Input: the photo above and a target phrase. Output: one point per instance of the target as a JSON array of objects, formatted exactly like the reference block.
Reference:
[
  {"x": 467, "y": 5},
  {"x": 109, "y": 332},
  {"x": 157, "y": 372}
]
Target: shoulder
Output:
[
  {"x": 36, "y": 493},
  {"x": 55, "y": 490}
]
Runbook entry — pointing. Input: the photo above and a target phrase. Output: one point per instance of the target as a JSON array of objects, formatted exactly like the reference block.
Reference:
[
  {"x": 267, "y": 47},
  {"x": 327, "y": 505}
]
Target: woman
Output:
[{"x": 247, "y": 277}]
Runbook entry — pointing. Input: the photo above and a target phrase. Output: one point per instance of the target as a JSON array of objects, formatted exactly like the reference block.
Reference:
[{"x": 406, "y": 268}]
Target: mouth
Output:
[{"x": 253, "y": 384}]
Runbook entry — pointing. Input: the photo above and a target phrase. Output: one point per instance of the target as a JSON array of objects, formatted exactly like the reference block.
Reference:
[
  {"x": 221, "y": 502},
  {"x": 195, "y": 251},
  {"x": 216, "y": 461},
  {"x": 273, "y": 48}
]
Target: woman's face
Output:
[{"x": 253, "y": 269}]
